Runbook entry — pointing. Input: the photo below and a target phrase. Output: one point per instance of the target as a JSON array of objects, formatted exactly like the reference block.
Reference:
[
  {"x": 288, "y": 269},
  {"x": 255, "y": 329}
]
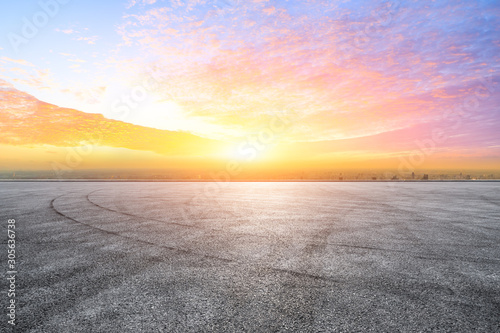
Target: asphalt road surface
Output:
[{"x": 252, "y": 257}]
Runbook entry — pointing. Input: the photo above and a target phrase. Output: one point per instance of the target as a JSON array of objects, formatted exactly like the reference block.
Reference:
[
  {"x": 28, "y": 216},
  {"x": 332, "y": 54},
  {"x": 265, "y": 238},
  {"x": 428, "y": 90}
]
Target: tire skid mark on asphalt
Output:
[
  {"x": 482, "y": 197},
  {"x": 414, "y": 254},
  {"x": 170, "y": 248},
  {"x": 420, "y": 256},
  {"x": 384, "y": 204},
  {"x": 194, "y": 226},
  {"x": 416, "y": 214},
  {"x": 271, "y": 235},
  {"x": 410, "y": 234},
  {"x": 369, "y": 199},
  {"x": 464, "y": 259},
  {"x": 136, "y": 216},
  {"x": 205, "y": 213},
  {"x": 489, "y": 228},
  {"x": 346, "y": 210},
  {"x": 281, "y": 240},
  {"x": 50, "y": 242},
  {"x": 187, "y": 251},
  {"x": 108, "y": 231},
  {"x": 65, "y": 300},
  {"x": 466, "y": 226},
  {"x": 324, "y": 233}
]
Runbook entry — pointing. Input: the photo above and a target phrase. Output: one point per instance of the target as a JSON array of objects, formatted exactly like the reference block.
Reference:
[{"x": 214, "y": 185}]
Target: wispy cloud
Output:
[
  {"x": 88, "y": 40},
  {"x": 132, "y": 3},
  {"x": 67, "y": 31},
  {"x": 77, "y": 60},
  {"x": 17, "y": 61},
  {"x": 346, "y": 71}
]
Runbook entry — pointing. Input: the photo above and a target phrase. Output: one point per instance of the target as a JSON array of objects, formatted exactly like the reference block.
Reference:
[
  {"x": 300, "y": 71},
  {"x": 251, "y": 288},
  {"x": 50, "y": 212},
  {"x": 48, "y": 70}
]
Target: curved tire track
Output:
[
  {"x": 184, "y": 251},
  {"x": 322, "y": 244}
]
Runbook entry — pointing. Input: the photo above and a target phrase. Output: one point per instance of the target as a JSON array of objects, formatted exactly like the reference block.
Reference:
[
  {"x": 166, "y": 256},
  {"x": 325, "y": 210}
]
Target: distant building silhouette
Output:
[{"x": 425, "y": 177}]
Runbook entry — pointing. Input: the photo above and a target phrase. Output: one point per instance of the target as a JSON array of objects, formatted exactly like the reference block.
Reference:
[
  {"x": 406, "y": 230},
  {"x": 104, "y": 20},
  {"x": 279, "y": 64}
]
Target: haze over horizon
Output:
[{"x": 262, "y": 83}]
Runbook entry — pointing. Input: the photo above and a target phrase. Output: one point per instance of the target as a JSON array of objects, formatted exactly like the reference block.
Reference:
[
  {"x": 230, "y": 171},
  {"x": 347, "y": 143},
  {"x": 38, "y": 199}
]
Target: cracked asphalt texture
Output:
[{"x": 253, "y": 257}]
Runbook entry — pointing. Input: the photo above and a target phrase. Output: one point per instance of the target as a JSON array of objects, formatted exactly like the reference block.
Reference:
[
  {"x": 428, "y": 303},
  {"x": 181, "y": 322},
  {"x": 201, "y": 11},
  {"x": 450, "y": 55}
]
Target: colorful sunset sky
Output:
[{"x": 311, "y": 84}]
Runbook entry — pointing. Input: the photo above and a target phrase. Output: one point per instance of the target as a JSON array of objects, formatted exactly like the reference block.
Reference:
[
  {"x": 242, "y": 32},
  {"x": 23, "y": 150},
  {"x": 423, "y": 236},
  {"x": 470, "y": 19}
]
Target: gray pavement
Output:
[{"x": 253, "y": 257}]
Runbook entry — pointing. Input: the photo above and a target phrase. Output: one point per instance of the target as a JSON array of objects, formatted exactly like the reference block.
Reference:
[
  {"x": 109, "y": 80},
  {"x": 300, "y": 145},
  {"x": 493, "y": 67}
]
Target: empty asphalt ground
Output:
[{"x": 253, "y": 257}]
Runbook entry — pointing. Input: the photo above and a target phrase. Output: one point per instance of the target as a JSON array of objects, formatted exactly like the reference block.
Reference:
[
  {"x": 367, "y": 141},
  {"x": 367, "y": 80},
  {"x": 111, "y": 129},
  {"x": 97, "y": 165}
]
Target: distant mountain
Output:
[{"x": 25, "y": 120}]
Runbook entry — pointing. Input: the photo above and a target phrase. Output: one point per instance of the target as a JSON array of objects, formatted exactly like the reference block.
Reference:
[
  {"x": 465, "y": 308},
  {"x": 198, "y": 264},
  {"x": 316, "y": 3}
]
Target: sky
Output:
[{"x": 357, "y": 80}]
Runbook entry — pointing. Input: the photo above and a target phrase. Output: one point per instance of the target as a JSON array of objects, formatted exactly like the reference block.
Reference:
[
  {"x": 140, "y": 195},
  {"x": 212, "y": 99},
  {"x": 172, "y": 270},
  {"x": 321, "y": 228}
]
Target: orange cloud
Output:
[{"x": 25, "y": 120}]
